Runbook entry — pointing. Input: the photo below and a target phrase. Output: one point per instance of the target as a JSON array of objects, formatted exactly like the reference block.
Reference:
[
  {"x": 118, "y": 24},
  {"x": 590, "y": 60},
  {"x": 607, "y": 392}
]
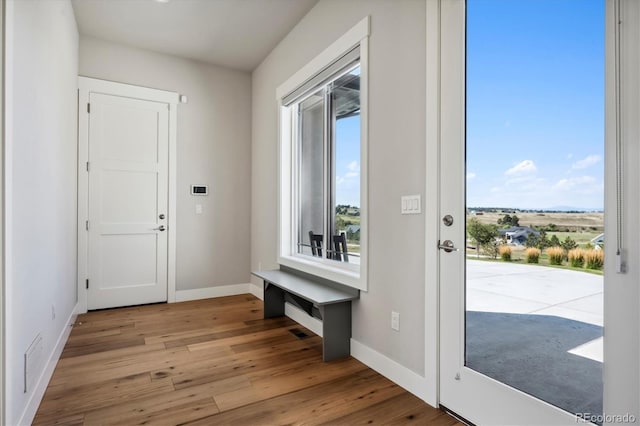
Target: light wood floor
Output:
[{"x": 214, "y": 362}]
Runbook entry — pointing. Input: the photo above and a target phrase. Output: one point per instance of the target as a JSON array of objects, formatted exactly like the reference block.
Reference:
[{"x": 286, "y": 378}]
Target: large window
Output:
[
  {"x": 323, "y": 180},
  {"x": 327, "y": 139}
]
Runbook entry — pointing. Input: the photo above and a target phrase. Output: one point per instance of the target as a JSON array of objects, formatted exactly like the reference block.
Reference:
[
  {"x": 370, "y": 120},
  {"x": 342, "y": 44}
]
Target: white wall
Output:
[
  {"x": 396, "y": 162},
  {"x": 42, "y": 57},
  {"x": 214, "y": 149}
]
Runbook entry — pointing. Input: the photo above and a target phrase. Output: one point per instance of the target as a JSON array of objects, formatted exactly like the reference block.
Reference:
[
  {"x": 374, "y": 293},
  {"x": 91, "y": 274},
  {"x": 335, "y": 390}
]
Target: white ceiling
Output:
[{"x": 232, "y": 33}]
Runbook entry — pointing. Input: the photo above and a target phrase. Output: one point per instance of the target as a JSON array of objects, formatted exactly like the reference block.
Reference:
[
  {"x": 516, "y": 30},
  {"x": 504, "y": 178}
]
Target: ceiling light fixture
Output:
[{"x": 162, "y": 1}]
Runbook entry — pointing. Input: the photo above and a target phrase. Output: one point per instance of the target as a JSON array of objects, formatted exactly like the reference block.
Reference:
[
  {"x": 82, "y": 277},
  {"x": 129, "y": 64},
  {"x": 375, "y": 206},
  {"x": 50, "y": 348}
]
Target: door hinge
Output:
[
  {"x": 86, "y": 224},
  {"x": 87, "y": 166},
  {"x": 87, "y": 282},
  {"x": 88, "y": 108}
]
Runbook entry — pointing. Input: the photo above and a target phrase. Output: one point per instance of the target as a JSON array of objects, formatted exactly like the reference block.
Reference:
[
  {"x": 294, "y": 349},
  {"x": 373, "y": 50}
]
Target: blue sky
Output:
[
  {"x": 535, "y": 103},
  {"x": 348, "y": 161}
]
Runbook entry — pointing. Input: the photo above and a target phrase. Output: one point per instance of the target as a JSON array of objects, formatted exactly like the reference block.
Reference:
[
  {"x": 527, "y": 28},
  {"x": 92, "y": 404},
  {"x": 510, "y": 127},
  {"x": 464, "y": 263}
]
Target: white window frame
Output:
[{"x": 342, "y": 272}]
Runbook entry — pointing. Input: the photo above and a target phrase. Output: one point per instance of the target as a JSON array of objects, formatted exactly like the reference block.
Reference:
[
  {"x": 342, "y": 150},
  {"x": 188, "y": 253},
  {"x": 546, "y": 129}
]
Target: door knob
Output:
[
  {"x": 159, "y": 228},
  {"x": 447, "y": 246}
]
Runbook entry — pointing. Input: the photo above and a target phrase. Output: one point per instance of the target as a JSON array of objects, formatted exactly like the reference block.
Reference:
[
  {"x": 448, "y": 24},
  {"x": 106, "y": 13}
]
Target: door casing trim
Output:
[{"x": 86, "y": 86}]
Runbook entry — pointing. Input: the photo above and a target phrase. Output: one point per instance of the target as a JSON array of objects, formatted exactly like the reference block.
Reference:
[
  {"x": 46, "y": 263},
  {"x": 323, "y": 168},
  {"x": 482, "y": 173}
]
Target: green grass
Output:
[
  {"x": 581, "y": 237},
  {"x": 355, "y": 220}
]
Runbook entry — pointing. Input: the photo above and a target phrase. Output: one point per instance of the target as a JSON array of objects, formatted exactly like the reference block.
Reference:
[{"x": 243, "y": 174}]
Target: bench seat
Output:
[{"x": 333, "y": 305}]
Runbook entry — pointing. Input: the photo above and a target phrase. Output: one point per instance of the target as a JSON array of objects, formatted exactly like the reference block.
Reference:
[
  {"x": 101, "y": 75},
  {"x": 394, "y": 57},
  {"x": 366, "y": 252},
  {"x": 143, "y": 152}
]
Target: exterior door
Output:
[
  {"x": 127, "y": 201},
  {"x": 485, "y": 395}
]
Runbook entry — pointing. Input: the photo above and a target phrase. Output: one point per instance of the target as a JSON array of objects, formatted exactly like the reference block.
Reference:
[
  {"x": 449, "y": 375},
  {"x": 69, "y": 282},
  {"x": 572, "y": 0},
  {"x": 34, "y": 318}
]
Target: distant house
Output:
[
  {"x": 598, "y": 242},
  {"x": 352, "y": 229},
  {"x": 518, "y": 235}
]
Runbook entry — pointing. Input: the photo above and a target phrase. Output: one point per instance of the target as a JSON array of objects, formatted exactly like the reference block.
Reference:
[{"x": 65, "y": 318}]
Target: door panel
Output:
[
  {"x": 116, "y": 269},
  {"x": 476, "y": 302},
  {"x": 133, "y": 140},
  {"x": 135, "y": 205},
  {"x": 128, "y": 196}
]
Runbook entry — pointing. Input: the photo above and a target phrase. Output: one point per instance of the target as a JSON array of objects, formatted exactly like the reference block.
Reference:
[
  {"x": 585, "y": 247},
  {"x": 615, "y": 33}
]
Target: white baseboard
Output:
[
  {"x": 257, "y": 291},
  {"x": 402, "y": 376},
  {"x": 210, "y": 292},
  {"x": 30, "y": 410}
]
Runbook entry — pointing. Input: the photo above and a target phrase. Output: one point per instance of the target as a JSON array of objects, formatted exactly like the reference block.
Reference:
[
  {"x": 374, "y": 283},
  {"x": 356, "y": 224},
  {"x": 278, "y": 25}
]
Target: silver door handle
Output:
[
  {"x": 447, "y": 246},
  {"x": 159, "y": 228}
]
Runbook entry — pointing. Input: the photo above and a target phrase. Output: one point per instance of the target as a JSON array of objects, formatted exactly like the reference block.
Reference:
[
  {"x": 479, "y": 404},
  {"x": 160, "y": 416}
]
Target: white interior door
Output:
[
  {"x": 483, "y": 397},
  {"x": 128, "y": 207}
]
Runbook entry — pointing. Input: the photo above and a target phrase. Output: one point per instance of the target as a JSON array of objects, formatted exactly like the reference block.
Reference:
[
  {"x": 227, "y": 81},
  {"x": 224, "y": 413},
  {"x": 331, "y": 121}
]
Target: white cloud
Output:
[
  {"x": 353, "y": 170},
  {"x": 523, "y": 167},
  {"x": 588, "y": 161},
  {"x": 471, "y": 176},
  {"x": 583, "y": 183}
]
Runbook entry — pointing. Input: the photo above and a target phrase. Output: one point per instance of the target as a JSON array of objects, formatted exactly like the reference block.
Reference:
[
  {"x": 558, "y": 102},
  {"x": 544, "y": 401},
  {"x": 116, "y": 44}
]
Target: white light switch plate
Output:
[
  {"x": 410, "y": 204},
  {"x": 395, "y": 321}
]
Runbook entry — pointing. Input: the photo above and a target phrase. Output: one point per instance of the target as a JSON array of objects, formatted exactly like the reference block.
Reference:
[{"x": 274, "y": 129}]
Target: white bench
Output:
[{"x": 332, "y": 303}]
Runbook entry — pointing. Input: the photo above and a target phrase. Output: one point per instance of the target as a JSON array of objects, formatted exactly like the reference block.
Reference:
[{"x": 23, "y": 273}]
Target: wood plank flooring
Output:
[{"x": 214, "y": 362}]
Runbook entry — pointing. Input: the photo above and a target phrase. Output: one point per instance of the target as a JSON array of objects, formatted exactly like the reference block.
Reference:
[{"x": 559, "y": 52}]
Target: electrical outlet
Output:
[{"x": 395, "y": 321}]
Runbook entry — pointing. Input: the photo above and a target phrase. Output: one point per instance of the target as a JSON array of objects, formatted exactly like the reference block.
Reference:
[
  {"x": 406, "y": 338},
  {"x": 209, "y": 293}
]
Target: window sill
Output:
[{"x": 345, "y": 274}]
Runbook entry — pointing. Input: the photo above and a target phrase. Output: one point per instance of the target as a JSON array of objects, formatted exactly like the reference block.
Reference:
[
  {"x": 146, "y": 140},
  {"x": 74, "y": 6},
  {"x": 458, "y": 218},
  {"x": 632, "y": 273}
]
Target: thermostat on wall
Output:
[{"x": 199, "y": 190}]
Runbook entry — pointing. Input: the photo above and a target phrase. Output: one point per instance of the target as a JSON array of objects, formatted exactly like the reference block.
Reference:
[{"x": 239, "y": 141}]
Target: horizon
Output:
[{"x": 559, "y": 209}]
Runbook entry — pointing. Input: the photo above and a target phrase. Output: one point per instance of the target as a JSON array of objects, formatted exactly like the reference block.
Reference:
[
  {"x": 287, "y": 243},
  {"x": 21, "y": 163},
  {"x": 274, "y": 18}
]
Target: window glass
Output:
[
  {"x": 327, "y": 163},
  {"x": 346, "y": 161}
]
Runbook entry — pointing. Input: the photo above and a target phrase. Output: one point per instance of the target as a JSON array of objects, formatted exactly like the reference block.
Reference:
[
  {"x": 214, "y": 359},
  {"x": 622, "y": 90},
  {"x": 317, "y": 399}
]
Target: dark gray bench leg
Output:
[
  {"x": 273, "y": 301},
  {"x": 336, "y": 330}
]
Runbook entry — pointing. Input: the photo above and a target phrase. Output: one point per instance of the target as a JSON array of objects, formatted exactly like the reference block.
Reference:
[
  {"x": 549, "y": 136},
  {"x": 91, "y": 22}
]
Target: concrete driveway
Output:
[{"x": 505, "y": 287}]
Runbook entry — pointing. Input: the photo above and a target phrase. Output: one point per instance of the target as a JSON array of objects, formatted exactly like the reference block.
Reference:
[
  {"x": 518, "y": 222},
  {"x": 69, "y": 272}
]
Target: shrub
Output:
[
  {"x": 491, "y": 248},
  {"x": 540, "y": 241},
  {"x": 594, "y": 259},
  {"x": 508, "y": 221},
  {"x": 543, "y": 241},
  {"x": 532, "y": 255},
  {"x": 568, "y": 244},
  {"x": 505, "y": 253},
  {"x": 556, "y": 255},
  {"x": 484, "y": 236},
  {"x": 576, "y": 257}
]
